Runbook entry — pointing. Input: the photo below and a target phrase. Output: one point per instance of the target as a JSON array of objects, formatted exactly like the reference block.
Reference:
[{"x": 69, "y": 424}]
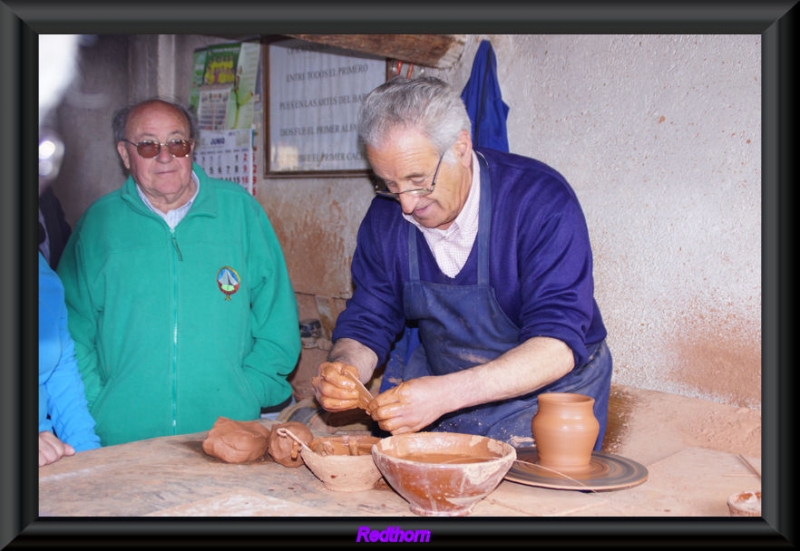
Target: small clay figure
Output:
[
  {"x": 237, "y": 441},
  {"x": 284, "y": 449}
]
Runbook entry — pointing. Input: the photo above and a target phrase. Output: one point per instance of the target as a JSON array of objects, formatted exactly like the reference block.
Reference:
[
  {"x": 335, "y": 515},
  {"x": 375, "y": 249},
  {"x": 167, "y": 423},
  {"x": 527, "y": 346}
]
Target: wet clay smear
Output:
[{"x": 620, "y": 406}]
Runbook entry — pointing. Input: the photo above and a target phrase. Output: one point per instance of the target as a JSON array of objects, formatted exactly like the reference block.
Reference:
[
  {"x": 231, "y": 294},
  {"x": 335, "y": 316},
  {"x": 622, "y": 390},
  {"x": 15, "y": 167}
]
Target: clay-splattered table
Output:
[{"x": 172, "y": 476}]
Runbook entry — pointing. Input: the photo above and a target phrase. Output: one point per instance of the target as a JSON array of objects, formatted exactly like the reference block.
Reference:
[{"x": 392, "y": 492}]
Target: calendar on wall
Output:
[
  {"x": 228, "y": 155},
  {"x": 225, "y": 90}
]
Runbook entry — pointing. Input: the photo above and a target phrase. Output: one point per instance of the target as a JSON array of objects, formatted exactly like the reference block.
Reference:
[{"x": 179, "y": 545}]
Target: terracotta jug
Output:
[{"x": 564, "y": 431}]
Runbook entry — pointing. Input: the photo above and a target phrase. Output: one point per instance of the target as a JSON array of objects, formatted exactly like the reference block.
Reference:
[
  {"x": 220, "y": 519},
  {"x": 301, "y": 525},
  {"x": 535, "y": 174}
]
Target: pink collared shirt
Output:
[{"x": 451, "y": 247}]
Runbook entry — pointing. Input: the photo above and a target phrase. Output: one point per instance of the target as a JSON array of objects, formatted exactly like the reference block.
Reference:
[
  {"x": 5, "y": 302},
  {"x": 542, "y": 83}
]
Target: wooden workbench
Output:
[
  {"x": 167, "y": 491},
  {"x": 172, "y": 476}
]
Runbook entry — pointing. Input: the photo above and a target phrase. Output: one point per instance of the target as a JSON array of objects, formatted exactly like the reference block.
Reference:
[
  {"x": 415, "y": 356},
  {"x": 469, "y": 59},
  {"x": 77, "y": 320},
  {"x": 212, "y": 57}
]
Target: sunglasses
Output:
[{"x": 149, "y": 149}]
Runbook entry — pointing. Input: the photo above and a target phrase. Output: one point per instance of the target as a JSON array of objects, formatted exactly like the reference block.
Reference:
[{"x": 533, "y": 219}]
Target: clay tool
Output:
[
  {"x": 286, "y": 432},
  {"x": 750, "y": 466},
  {"x": 364, "y": 395}
]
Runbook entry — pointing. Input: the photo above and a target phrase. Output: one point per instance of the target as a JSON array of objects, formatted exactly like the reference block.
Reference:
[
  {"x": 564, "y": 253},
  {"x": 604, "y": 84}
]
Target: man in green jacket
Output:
[{"x": 179, "y": 299}]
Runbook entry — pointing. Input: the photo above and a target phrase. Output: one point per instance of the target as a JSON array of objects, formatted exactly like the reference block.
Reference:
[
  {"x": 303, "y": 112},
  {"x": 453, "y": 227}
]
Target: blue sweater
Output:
[
  {"x": 62, "y": 402},
  {"x": 540, "y": 262}
]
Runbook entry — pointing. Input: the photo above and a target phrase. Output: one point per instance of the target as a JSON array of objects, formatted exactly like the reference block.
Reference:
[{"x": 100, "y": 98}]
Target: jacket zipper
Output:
[
  {"x": 175, "y": 244},
  {"x": 174, "y": 360}
]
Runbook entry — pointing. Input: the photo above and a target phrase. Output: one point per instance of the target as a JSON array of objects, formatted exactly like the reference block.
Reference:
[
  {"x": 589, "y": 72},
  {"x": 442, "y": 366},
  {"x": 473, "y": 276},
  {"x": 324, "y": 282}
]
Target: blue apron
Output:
[{"x": 461, "y": 326}]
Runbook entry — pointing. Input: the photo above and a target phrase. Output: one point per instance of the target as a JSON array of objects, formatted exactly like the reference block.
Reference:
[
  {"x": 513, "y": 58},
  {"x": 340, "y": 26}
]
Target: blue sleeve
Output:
[
  {"x": 557, "y": 284},
  {"x": 550, "y": 266},
  {"x": 66, "y": 399}
]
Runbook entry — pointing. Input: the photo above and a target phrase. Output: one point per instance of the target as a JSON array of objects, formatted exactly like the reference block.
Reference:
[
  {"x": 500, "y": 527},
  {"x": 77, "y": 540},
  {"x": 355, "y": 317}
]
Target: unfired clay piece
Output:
[
  {"x": 237, "y": 441},
  {"x": 565, "y": 430},
  {"x": 343, "y": 463},
  {"x": 285, "y": 450}
]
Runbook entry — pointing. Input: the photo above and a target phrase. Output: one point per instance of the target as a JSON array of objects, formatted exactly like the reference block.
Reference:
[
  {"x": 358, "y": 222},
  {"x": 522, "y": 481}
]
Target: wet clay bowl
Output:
[
  {"x": 343, "y": 463},
  {"x": 745, "y": 504},
  {"x": 443, "y": 473}
]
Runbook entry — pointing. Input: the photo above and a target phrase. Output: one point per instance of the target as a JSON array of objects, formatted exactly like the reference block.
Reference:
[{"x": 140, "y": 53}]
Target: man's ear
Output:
[
  {"x": 123, "y": 154},
  {"x": 463, "y": 148}
]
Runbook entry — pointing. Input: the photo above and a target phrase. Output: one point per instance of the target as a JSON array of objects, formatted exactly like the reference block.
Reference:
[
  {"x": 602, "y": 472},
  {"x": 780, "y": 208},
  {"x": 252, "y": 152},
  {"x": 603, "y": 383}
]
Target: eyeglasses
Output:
[
  {"x": 149, "y": 149},
  {"x": 380, "y": 187}
]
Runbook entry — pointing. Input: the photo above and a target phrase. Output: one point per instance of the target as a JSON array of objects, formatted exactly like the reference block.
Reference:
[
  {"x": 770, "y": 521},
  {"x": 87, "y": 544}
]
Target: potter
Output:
[{"x": 472, "y": 279}]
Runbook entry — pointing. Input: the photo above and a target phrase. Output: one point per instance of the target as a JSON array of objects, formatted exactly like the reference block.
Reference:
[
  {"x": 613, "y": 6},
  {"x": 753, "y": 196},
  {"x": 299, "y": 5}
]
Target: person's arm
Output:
[
  {"x": 274, "y": 323},
  {"x": 81, "y": 316},
  {"x": 67, "y": 403},
  {"x": 352, "y": 352},
  {"x": 552, "y": 271},
  {"x": 414, "y": 404},
  {"x": 336, "y": 391}
]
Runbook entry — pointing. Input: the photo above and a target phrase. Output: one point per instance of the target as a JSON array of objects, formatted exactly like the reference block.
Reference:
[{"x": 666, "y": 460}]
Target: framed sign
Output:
[{"x": 314, "y": 93}]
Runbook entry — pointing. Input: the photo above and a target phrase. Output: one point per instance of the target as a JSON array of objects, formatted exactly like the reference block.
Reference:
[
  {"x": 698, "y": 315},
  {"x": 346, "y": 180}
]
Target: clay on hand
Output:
[
  {"x": 237, "y": 441},
  {"x": 284, "y": 449},
  {"x": 333, "y": 372}
]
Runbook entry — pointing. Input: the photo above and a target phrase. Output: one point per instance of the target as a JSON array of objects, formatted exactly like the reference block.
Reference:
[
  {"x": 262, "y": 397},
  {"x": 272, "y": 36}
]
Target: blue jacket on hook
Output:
[{"x": 484, "y": 101}]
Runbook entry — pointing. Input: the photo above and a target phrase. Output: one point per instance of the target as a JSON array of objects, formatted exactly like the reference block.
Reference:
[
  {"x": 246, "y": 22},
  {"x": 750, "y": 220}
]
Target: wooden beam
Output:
[{"x": 439, "y": 51}]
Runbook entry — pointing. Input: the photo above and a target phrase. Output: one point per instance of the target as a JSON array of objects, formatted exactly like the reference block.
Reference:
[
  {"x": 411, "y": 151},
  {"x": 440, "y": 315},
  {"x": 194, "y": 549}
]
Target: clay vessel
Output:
[
  {"x": 564, "y": 431},
  {"x": 745, "y": 504},
  {"x": 343, "y": 463},
  {"x": 442, "y": 473}
]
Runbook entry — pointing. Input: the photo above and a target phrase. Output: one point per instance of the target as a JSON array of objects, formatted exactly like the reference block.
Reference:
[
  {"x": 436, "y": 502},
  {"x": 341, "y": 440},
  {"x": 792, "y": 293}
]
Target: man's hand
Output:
[
  {"x": 334, "y": 390},
  {"x": 410, "y": 406},
  {"x": 51, "y": 449}
]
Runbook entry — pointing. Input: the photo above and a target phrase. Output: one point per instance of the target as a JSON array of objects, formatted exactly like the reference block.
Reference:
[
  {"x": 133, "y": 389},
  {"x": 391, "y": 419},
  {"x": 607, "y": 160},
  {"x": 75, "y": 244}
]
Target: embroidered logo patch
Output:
[{"x": 227, "y": 281}]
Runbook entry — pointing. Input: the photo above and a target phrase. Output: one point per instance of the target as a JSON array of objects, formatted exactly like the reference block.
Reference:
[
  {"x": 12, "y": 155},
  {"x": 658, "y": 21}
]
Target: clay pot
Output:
[
  {"x": 745, "y": 504},
  {"x": 442, "y": 473},
  {"x": 564, "y": 431},
  {"x": 343, "y": 463}
]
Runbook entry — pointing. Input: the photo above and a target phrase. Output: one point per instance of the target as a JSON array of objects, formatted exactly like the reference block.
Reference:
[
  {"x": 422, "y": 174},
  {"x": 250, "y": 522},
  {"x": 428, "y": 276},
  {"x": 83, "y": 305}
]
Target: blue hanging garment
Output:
[{"x": 484, "y": 101}]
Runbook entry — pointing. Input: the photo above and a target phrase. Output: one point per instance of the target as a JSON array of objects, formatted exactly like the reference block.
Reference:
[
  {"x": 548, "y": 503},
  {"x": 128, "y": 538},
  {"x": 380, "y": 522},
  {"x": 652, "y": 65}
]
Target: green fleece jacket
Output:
[{"x": 175, "y": 328}]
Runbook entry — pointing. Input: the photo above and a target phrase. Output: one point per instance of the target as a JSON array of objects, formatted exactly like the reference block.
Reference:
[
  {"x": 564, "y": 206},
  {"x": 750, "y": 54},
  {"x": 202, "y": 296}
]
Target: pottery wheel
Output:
[{"x": 605, "y": 472}]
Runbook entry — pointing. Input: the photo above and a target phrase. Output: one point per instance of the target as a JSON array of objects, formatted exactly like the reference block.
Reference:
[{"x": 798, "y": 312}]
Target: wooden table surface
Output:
[{"x": 172, "y": 476}]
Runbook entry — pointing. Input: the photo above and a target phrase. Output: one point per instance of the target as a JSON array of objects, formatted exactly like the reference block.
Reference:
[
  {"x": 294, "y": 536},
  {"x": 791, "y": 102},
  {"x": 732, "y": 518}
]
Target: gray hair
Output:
[
  {"x": 120, "y": 120},
  {"x": 426, "y": 104}
]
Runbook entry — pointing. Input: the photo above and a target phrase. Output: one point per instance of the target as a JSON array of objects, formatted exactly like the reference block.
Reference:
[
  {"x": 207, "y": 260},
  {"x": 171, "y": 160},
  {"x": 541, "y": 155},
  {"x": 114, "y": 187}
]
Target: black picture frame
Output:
[{"x": 20, "y": 23}]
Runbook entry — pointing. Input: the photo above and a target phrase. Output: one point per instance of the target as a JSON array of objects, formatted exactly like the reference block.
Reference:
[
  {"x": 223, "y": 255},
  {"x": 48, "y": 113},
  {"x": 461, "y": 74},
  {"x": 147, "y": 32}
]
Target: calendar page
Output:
[{"x": 228, "y": 155}]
